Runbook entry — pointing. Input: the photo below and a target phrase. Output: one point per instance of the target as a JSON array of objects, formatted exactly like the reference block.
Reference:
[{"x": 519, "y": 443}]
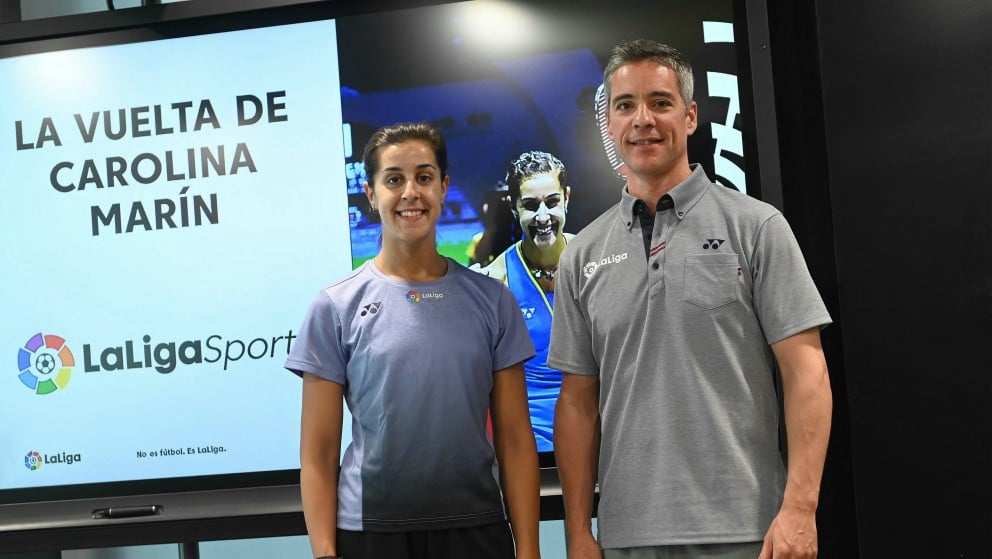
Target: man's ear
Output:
[{"x": 691, "y": 118}]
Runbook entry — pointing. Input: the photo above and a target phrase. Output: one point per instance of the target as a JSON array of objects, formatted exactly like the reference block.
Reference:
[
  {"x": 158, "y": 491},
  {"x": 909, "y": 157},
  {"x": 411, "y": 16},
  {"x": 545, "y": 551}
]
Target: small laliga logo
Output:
[
  {"x": 45, "y": 363},
  {"x": 32, "y": 460},
  {"x": 415, "y": 296},
  {"x": 589, "y": 269}
]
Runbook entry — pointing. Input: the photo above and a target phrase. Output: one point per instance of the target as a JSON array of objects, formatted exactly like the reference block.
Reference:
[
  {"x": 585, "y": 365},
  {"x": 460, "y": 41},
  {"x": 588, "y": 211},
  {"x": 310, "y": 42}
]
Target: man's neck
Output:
[{"x": 650, "y": 189}]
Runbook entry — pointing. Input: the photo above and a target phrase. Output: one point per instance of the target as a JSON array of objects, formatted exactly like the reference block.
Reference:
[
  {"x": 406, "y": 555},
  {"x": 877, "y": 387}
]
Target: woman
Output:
[{"x": 421, "y": 349}]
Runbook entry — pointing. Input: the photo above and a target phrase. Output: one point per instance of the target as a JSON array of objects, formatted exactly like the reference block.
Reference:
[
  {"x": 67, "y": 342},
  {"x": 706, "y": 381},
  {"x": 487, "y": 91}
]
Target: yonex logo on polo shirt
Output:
[
  {"x": 528, "y": 312},
  {"x": 591, "y": 267},
  {"x": 713, "y": 243}
]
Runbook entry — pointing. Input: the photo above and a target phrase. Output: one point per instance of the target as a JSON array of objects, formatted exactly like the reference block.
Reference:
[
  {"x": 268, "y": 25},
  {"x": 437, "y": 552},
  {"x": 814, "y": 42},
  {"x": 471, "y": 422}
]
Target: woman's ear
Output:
[{"x": 370, "y": 194}]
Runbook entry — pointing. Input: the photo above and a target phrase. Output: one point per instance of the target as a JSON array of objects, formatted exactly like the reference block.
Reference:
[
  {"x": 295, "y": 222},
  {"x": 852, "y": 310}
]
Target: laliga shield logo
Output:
[
  {"x": 589, "y": 268},
  {"x": 32, "y": 460},
  {"x": 45, "y": 363}
]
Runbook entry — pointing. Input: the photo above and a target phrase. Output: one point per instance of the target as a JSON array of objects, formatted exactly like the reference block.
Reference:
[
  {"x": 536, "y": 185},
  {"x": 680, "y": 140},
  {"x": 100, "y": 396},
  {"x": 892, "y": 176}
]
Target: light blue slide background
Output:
[{"x": 282, "y": 234}]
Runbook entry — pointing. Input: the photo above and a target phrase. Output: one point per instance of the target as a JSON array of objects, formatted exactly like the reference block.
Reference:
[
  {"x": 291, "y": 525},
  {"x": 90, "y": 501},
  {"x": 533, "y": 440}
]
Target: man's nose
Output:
[{"x": 642, "y": 116}]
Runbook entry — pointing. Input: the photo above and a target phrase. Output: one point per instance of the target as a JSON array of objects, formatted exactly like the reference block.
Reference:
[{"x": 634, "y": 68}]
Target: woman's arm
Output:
[
  {"x": 320, "y": 451},
  {"x": 517, "y": 455}
]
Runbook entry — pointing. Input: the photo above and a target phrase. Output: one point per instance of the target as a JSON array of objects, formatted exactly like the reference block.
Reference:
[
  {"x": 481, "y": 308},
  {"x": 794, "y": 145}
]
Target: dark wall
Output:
[
  {"x": 806, "y": 202},
  {"x": 896, "y": 147}
]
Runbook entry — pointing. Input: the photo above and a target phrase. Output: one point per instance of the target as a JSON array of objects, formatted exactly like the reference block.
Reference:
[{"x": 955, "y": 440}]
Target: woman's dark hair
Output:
[
  {"x": 532, "y": 163},
  {"x": 398, "y": 134}
]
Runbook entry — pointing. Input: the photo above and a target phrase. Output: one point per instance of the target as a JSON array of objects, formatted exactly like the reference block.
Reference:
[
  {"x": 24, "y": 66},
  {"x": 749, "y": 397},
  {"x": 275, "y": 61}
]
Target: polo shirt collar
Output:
[{"x": 684, "y": 195}]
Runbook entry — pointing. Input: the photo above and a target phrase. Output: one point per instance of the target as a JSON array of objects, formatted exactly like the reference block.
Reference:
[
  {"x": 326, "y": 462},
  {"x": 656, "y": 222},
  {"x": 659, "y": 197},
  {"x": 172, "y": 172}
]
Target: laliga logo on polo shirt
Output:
[{"x": 591, "y": 267}]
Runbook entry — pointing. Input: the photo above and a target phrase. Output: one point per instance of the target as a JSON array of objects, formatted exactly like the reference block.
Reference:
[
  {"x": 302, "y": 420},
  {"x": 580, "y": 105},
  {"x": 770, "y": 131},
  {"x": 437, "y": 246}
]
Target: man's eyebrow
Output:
[
  {"x": 622, "y": 97},
  {"x": 628, "y": 96}
]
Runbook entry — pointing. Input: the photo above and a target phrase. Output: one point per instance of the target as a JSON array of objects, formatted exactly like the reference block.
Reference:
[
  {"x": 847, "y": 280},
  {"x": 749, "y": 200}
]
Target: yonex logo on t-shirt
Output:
[
  {"x": 713, "y": 243},
  {"x": 371, "y": 308}
]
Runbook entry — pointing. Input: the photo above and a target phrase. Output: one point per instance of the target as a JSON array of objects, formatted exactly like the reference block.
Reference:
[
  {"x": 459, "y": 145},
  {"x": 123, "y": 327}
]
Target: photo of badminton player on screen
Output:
[{"x": 538, "y": 191}]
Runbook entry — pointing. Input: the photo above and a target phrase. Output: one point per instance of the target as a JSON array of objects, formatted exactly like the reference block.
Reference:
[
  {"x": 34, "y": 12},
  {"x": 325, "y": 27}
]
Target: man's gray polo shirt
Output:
[{"x": 680, "y": 339}]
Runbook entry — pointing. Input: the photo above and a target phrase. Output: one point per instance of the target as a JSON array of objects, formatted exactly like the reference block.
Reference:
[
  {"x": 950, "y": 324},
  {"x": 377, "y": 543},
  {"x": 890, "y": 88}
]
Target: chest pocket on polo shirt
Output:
[{"x": 711, "y": 279}]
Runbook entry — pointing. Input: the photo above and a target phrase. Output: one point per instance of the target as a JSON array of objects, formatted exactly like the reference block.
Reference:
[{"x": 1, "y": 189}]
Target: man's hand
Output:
[
  {"x": 792, "y": 535},
  {"x": 584, "y": 546}
]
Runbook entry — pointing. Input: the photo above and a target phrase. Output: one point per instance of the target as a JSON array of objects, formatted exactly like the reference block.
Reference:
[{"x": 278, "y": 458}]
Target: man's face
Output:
[
  {"x": 647, "y": 118},
  {"x": 541, "y": 209}
]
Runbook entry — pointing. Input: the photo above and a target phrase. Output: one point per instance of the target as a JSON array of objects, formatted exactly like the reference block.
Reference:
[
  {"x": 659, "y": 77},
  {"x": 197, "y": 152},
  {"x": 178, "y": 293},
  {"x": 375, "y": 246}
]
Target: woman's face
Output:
[
  {"x": 407, "y": 191},
  {"x": 541, "y": 209}
]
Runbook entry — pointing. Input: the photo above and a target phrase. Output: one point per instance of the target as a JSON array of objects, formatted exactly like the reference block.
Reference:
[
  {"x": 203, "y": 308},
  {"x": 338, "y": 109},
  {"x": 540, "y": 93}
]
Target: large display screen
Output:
[{"x": 171, "y": 206}]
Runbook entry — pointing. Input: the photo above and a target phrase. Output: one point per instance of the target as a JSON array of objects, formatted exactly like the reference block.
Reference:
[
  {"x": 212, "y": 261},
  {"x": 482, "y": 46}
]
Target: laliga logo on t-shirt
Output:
[
  {"x": 415, "y": 296},
  {"x": 591, "y": 267}
]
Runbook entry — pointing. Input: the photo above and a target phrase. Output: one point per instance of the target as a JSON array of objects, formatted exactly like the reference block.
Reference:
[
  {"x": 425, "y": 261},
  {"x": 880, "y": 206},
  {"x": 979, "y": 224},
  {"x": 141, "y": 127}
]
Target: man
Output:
[
  {"x": 538, "y": 188},
  {"x": 671, "y": 311}
]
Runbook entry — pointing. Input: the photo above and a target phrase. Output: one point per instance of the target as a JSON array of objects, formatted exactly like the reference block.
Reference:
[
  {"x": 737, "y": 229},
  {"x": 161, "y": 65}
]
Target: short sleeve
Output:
[
  {"x": 570, "y": 348},
  {"x": 318, "y": 349},
  {"x": 513, "y": 344},
  {"x": 786, "y": 300}
]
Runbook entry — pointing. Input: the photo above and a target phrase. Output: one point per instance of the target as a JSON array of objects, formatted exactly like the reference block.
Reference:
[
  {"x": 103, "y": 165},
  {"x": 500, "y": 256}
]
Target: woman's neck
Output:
[
  {"x": 415, "y": 264},
  {"x": 543, "y": 259}
]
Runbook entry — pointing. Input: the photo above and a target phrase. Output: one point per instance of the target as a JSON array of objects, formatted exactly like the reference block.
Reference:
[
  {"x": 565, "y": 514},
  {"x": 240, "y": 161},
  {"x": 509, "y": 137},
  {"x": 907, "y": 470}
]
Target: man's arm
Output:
[
  {"x": 517, "y": 455},
  {"x": 320, "y": 451},
  {"x": 576, "y": 439},
  {"x": 808, "y": 403}
]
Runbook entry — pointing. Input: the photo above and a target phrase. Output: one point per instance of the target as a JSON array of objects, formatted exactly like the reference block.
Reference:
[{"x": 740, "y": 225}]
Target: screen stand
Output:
[{"x": 189, "y": 550}]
